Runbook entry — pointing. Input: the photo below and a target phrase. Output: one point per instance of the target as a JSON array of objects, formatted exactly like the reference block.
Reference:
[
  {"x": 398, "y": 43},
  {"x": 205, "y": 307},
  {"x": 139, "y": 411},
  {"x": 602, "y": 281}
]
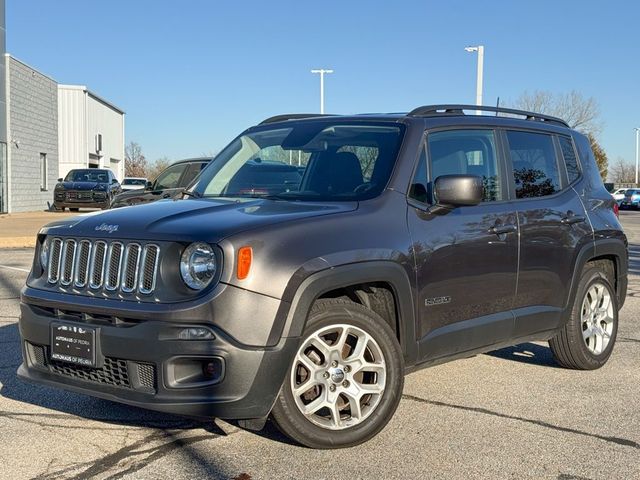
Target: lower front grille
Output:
[{"x": 114, "y": 372}]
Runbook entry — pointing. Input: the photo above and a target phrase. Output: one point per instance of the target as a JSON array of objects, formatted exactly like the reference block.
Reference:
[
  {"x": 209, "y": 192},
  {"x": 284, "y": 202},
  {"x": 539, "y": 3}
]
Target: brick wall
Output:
[{"x": 33, "y": 129}]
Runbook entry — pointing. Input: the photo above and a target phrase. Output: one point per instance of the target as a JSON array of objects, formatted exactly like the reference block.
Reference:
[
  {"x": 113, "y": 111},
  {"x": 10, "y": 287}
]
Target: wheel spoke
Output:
[
  {"x": 586, "y": 334},
  {"x": 354, "y": 406},
  {"x": 371, "y": 388},
  {"x": 305, "y": 387},
  {"x": 316, "y": 404},
  {"x": 322, "y": 347},
  {"x": 335, "y": 413}
]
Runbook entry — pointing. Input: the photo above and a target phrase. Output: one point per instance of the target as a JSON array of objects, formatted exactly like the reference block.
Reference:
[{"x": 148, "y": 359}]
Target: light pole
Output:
[
  {"x": 637, "y": 129},
  {"x": 321, "y": 71},
  {"x": 480, "y": 50}
]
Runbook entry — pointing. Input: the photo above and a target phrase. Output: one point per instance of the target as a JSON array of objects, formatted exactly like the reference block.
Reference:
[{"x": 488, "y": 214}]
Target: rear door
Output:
[
  {"x": 553, "y": 224},
  {"x": 466, "y": 260}
]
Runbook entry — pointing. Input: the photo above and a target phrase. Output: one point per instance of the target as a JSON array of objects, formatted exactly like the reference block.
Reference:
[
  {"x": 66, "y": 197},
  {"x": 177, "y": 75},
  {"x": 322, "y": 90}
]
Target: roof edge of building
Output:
[
  {"x": 91, "y": 94},
  {"x": 31, "y": 67}
]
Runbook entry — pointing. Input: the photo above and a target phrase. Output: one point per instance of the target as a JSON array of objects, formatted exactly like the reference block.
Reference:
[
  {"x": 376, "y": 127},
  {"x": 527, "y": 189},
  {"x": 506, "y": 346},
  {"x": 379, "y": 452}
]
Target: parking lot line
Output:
[{"x": 15, "y": 268}]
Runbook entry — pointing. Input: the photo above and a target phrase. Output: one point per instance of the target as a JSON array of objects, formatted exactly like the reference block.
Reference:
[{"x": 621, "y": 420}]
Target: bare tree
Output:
[
  {"x": 579, "y": 112},
  {"x": 622, "y": 171},
  {"x": 157, "y": 167},
  {"x": 135, "y": 163}
]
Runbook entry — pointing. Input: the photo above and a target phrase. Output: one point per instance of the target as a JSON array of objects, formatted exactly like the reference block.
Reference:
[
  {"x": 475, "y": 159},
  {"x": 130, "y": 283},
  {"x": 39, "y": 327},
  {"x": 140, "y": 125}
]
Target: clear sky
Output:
[{"x": 192, "y": 74}]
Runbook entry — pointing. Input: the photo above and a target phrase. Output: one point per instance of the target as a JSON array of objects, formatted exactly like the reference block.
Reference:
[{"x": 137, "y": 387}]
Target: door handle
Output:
[
  {"x": 502, "y": 229},
  {"x": 570, "y": 219}
]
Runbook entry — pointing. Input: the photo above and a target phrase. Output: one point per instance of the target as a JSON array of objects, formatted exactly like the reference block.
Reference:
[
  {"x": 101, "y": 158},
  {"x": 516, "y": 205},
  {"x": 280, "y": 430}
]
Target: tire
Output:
[
  {"x": 574, "y": 347},
  {"x": 60, "y": 209},
  {"x": 74, "y": 209},
  {"x": 332, "y": 320}
]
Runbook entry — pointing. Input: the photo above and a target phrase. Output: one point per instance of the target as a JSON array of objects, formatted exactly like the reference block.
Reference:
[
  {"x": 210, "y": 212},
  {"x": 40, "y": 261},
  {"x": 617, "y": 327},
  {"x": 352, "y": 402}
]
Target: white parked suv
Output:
[{"x": 133, "y": 183}]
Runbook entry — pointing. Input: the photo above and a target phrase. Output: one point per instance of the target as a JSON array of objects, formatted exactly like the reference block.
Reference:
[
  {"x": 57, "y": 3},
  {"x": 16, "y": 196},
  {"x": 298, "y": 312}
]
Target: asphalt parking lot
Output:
[{"x": 512, "y": 413}]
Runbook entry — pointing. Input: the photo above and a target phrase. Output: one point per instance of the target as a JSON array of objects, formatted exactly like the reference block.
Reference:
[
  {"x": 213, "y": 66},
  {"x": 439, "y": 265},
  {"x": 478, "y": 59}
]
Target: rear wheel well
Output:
[
  {"x": 376, "y": 296},
  {"x": 609, "y": 266}
]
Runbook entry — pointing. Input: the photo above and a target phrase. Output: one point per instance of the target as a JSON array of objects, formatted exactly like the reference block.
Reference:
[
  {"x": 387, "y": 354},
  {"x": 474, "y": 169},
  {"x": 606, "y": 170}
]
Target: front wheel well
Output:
[{"x": 376, "y": 296}]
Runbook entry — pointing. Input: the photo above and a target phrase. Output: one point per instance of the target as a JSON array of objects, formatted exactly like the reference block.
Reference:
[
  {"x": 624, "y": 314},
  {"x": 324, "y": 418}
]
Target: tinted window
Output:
[
  {"x": 468, "y": 152},
  {"x": 134, "y": 181},
  {"x": 570, "y": 159},
  {"x": 170, "y": 177},
  {"x": 418, "y": 189},
  {"x": 535, "y": 168},
  {"x": 319, "y": 160},
  {"x": 192, "y": 173}
]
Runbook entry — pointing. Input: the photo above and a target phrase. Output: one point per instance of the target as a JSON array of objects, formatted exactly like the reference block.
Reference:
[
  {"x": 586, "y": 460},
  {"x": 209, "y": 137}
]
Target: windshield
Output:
[
  {"x": 100, "y": 176},
  {"x": 305, "y": 161},
  {"x": 134, "y": 181}
]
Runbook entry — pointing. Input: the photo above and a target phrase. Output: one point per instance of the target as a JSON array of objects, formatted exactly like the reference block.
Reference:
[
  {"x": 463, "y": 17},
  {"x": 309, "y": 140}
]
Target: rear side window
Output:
[
  {"x": 535, "y": 167},
  {"x": 570, "y": 158},
  {"x": 467, "y": 152}
]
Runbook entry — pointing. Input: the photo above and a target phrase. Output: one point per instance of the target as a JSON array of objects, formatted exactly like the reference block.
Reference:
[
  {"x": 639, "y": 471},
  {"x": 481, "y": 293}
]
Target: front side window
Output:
[
  {"x": 535, "y": 167},
  {"x": 466, "y": 152},
  {"x": 305, "y": 161},
  {"x": 170, "y": 177}
]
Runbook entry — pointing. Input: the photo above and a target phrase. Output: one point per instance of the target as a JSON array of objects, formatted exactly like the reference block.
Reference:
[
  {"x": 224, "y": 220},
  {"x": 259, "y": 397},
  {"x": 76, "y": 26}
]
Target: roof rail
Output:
[
  {"x": 438, "y": 110},
  {"x": 292, "y": 116}
]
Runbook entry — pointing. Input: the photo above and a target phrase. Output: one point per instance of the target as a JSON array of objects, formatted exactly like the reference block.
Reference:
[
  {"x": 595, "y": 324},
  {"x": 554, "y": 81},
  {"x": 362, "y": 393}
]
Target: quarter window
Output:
[
  {"x": 535, "y": 167},
  {"x": 570, "y": 159},
  {"x": 467, "y": 152}
]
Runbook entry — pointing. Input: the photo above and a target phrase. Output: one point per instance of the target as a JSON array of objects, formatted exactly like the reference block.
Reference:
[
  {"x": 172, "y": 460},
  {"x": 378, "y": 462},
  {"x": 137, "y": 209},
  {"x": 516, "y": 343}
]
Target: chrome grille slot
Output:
[
  {"x": 53, "y": 272},
  {"x": 113, "y": 266},
  {"x": 97, "y": 264},
  {"x": 82, "y": 264},
  {"x": 68, "y": 261},
  {"x": 149, "y": 269},
  {"x": 131, "y": 264}
]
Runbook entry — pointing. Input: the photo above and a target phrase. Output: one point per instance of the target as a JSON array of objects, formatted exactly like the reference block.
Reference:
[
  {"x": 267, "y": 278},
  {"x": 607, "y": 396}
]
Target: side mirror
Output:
[
  {"x": 452, "y": 191},
  {"x": 60, "y": 180},
  {"x": 149, "y": 185}
]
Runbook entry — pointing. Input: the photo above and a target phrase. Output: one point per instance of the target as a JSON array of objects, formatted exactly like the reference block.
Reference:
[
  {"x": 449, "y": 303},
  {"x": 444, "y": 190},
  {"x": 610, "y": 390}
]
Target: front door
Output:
[{"x": 467, "y": 259}]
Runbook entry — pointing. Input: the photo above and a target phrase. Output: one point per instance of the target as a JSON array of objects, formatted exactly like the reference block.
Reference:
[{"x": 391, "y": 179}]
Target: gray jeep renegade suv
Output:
[{"x": 320, "y": 258}]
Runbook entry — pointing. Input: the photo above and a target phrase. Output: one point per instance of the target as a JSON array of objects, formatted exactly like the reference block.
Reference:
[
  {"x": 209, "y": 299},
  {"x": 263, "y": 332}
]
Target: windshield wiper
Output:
[{"x": 189, "y": 193}]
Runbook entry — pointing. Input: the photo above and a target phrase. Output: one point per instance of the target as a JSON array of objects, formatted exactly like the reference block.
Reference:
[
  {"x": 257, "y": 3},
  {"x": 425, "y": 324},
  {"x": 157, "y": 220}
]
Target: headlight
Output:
[
  {"x": 198, "y": 265},
  {"x": 44, "y": 254}
]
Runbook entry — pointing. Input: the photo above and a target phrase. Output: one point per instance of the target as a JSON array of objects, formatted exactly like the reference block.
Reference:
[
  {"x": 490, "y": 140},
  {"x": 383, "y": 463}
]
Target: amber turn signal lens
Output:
[{"x": 245, "y": 255}]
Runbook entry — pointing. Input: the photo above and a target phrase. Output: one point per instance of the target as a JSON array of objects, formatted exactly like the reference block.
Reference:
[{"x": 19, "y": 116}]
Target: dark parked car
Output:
[
  {"x": 169, "y": 184},
  {"x": 85, "y": 188},
  {"x": 409, "y": 240}
]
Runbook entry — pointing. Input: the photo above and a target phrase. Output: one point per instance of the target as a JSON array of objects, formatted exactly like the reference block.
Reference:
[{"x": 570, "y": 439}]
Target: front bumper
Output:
[{"x": 139, "y": 367}]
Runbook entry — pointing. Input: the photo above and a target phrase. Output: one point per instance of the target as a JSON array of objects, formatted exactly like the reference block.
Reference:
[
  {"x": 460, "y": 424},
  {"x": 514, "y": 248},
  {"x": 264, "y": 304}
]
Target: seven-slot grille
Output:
[{"x": 103, "y": 265}]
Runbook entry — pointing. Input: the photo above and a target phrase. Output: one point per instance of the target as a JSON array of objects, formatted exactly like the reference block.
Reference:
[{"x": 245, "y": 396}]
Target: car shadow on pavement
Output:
[
  {"x": 530, "y": 353},
  {"x": 62, "y": 403}
]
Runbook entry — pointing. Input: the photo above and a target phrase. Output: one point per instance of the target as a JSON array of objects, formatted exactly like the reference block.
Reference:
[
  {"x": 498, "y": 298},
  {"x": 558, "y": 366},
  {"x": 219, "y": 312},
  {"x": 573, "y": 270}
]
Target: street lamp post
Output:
[
  {"x": 480, "y": 50},
  {"x": 322, "y": 72},
  {"x": 637, "y": 129}
]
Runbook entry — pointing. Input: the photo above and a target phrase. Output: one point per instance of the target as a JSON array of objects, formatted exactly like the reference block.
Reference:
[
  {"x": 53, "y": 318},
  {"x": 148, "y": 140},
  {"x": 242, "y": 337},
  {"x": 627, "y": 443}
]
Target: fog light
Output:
[
  {"x": 211, "y": 369},
  {"x": 196, "y": 333}
]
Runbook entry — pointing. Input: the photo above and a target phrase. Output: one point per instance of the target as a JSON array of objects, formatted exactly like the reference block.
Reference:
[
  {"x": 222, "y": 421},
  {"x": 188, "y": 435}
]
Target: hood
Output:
[
  {"x": 207, "y": 220},
  {"x": 78, "y": 185}
]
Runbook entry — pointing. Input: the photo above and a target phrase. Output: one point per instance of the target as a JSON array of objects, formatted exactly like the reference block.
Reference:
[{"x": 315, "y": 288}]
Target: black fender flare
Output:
[
  {"x": 300, "y": 297},
  {"x": 602, "y": 247}
]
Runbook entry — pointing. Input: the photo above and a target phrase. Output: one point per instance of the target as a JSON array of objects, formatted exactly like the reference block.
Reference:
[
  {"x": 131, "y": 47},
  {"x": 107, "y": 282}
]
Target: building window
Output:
[{"x": 44, "y": 172}]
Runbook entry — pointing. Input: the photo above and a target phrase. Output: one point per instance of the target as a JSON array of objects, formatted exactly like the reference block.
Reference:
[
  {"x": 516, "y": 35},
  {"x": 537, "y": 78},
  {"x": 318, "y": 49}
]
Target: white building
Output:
[{"x": 90, "y": 131}]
